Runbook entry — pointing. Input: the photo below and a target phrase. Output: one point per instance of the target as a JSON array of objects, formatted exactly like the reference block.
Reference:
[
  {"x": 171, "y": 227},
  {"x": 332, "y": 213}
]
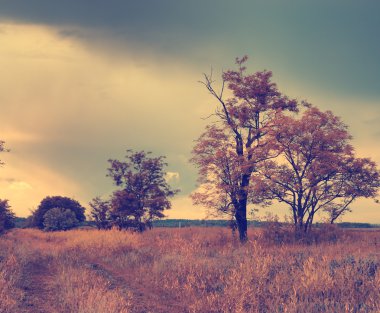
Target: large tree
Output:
[
  {"x": 317, "y": 169},
  {"x": 230, "y": 150},
  {"x": 144, "y": 193}
]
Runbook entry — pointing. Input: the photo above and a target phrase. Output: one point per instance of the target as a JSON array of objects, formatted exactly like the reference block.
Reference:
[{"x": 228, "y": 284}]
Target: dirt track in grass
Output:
[{"x": 37, "y": 283}]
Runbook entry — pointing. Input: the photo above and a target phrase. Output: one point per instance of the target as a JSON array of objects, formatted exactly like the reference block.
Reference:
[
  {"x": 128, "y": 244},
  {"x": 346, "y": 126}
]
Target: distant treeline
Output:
[
  {"x": 21, "y": 222},
  {"x": 215, "y": 223}
]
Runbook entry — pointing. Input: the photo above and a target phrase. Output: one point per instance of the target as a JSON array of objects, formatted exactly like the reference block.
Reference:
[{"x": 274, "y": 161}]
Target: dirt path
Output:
[
  {"x": 36, "y": 282},
  {"x": 38, "y": 285},
  {"x": 145, "y": 299}
]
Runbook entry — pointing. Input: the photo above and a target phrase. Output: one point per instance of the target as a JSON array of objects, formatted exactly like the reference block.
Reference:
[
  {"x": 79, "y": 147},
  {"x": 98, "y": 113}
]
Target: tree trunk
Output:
[
  {"x": 241, "y": 208},
  {"x": 241, "y": 220},
  {"x": 299, "y": 228}
]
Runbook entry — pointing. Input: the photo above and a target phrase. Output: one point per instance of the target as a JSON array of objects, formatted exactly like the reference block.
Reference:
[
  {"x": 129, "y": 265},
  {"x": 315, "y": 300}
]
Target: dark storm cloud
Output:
[
  {"x": 329, "y": 44},
  {"x": 144, "y": 20}
]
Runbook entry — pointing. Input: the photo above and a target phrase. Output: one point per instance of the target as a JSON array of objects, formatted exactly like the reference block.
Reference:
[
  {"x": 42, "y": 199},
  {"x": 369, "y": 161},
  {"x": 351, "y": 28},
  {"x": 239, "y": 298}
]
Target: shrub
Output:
[
  {"x": 59, "y": 219},
  {"x": 276, "y": 232},
  {"x": 326, "y": 233}
]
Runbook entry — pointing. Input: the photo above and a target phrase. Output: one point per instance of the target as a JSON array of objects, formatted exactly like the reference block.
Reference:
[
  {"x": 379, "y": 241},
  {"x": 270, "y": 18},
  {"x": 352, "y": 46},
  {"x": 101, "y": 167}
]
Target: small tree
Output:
[
  {"x": 100, "y": 212},
  {"x": 7, "y": 217},
  {"x": 59, "y": 219},
  {"x": 57, "y": 202},
  {"x": 144, "y": 193}
]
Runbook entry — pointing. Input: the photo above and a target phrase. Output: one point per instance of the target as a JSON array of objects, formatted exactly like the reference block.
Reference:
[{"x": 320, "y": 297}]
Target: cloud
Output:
[
  {"x": 183, "y": 208},
  {"x": 172, "y": 177},
  {"x": 20, "y": 185},
  {"x": 66, "y": 111},
  {"x": 17, "y": 136},
  {"x": 139, "y": 27},
  {"x": 325, "y": 44},
  {"x": 26, "y": 183}
]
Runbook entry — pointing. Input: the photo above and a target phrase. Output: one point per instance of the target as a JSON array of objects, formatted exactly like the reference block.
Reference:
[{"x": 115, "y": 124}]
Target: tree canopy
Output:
[
  {"x": 49, "y": 203},
  {"x": 316, "y": 169},
  {"x": 144, "y": 193}
]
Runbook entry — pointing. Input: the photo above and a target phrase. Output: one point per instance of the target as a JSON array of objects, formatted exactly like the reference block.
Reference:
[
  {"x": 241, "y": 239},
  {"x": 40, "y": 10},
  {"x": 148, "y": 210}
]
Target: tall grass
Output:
[{"x": 192, "y": 270}]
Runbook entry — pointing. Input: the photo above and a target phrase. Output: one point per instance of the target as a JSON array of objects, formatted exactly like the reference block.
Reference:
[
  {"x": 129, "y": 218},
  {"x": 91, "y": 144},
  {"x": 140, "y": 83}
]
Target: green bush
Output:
[{"x": 59, "y": 219}]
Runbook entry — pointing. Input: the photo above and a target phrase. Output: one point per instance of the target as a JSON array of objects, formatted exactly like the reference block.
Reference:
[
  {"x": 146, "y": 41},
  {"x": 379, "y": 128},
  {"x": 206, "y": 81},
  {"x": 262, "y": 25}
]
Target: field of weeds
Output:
[{"x": 186, "y": 270}]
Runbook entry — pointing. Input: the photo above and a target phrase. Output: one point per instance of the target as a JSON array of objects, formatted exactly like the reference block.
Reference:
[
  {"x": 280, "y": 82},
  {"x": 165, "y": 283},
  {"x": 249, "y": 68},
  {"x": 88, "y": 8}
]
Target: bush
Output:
[
  {"x": 275, "y": 232},
  {"x": 7, "y": 217},
  {"x": 57, "y": 202},
  {"x": 59, "y": 219}
]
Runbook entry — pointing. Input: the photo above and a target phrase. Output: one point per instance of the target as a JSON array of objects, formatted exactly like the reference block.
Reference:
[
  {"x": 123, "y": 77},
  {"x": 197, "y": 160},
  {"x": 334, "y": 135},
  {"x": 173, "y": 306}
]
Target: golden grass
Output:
[{"x": 189, "y": 270}]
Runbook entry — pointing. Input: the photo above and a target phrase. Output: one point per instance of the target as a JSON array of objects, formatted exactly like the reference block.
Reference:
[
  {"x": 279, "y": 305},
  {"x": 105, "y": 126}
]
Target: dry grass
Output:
[{"x": 187, "y": 270}]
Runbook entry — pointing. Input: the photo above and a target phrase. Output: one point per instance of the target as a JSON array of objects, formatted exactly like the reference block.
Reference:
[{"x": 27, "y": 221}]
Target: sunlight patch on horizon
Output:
[{"x": 26, "y": 188}]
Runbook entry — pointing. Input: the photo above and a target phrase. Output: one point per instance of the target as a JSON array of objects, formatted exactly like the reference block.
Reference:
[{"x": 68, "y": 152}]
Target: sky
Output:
[{"x": 82, "y": 81}]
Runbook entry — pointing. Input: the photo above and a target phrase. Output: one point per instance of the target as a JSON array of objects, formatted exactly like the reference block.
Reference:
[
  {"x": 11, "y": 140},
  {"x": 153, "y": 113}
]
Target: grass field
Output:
[{"x": 186, "y": 270}]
